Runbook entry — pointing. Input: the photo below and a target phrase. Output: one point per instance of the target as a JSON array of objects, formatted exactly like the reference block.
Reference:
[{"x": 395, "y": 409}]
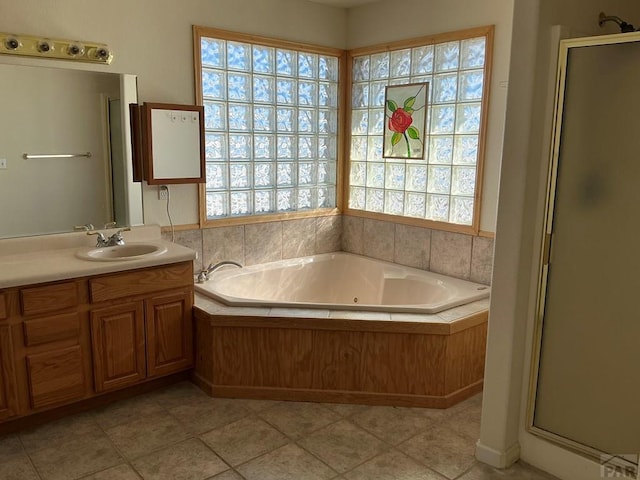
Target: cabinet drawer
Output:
[
  {"x": 110, "y": 287},
  {"x": 49, "y": 298},
  {"x": 51, "y": 329}
]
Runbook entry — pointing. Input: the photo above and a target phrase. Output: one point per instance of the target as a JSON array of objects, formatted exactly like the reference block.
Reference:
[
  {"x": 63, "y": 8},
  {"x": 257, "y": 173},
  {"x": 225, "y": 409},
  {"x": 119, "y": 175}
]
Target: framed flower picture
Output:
[{"x": 405, "y": 117}]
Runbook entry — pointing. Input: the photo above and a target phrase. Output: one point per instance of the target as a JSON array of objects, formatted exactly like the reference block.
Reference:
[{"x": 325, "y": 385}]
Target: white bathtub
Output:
[{"x": 340, "y": 281}]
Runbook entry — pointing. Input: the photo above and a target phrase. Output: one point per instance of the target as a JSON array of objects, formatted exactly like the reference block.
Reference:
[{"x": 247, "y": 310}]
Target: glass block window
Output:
[
  {"x": 441, "y": 186},
  {"x": 271, "y": 125}
]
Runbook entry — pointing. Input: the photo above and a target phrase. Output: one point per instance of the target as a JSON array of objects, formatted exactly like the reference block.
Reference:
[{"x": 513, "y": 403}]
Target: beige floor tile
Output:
[
  {"x": 203, "y": 414},
  {"x": 256, "y": 405},
  {"x": 146, "y": 434},
  {"x": 518, "y": 471},
  {"x": 286, "y": 463},
  {"x": 188, "y": 460},
  {"x": 18, "y": 467},
  {"x": 126, "y": 410},
  {"x": 228, "y": 475},
  {"x": 243, "y": 440},
  {"x": 14, "y": 462},
  {"x": 119, "y": 472},
  {"x": 446, "y": 452},
  {"x": 75, "y": 458},
  {"x": 392, "y": 465},
  {"x": 10, "y": 446},
  {"x": 343, "y": 445},
  {"x": 466, "y": 422},
  {"x": 472, "y": 402},
  {"x": 177, "y": 395},
  {"x": 345, "y": 409},
  {"x": 393, "y": 424},
  {"x": 58, "y": 432},
  {"x": 296, "y": 419}
]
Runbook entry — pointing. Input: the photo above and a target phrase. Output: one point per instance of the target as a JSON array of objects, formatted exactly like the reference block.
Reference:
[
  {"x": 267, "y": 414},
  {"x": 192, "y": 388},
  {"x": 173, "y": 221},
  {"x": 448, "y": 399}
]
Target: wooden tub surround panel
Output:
[{"x": 353, "y": 361}]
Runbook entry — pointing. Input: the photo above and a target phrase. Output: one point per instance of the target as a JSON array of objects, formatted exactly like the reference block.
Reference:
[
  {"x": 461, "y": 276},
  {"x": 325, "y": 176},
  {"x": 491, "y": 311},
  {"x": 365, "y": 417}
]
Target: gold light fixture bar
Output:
[{"x": 27, "y": 45}]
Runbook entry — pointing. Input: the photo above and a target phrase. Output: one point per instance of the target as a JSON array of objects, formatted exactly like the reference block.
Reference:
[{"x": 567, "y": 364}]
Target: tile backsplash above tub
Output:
[
  {"x": 263, "y": 242},
  {"x": 454, "y": 254}
]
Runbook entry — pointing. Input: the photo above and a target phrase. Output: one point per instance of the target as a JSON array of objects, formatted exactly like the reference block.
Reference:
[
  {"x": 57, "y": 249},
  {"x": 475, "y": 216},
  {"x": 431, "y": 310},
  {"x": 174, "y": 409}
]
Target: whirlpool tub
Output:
[
  {"x": 340, "y": 281},
  {"x": 340, "y": 328}
]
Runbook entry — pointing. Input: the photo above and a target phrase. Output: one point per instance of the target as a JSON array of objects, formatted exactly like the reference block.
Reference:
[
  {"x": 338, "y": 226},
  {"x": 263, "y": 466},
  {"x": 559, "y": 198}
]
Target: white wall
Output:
[
  {"x": 522, "y": 185},
  {"x": 153, "y": 39},
  {"x": 391, "y": 20}
]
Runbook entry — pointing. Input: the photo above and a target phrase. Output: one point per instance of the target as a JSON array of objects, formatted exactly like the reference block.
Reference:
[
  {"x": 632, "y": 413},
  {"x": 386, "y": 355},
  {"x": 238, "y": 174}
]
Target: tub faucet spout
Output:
[
  {"x": 203, "y": 276},
  {"x": 212, "y": 268}
]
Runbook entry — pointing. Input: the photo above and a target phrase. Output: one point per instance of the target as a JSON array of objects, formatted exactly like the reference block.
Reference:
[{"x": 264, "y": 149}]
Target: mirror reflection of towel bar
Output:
[{"x": 57, "y": 155}]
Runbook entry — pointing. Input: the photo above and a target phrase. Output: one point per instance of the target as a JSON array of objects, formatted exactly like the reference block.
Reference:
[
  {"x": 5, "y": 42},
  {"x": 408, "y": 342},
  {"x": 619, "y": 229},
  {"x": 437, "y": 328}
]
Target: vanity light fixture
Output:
[{"x": 30, "y": 46}]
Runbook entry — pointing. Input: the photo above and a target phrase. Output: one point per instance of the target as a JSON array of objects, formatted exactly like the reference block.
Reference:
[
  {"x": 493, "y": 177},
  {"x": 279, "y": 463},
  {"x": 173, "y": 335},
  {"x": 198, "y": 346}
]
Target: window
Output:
[
  {"x": 444, "y": 184},
  {"x": 271, "y": 124}
]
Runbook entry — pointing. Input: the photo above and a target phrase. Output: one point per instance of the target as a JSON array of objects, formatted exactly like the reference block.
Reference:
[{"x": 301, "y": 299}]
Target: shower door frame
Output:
[{"x": 546, "y": 235}]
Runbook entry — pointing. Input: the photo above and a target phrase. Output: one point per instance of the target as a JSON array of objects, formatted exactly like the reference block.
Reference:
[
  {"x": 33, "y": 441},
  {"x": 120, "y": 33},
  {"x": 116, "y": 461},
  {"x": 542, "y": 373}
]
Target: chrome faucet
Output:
[
  {"x": 203, "y": 276},
  {"x": 112, "y": 241}
]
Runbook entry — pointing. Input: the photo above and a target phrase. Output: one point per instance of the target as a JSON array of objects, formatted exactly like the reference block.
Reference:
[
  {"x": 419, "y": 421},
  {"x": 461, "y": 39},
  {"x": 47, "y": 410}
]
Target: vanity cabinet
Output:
[
  {"x": 71, "y": 340},
  {"x": 146, "y": 335}
]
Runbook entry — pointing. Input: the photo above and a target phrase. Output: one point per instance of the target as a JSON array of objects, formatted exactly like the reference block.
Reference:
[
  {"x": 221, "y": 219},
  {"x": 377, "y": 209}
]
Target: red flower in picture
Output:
[{"x": 401, "y": 121}]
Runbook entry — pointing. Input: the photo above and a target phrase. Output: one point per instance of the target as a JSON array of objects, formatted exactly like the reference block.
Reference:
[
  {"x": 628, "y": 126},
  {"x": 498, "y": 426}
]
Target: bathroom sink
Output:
[{"x": 129, "y": 251}]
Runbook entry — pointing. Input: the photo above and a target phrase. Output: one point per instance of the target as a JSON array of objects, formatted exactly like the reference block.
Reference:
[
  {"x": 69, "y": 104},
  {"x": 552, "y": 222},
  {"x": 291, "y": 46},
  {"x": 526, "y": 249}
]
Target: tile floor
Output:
[{"x": 180, "y": 433}]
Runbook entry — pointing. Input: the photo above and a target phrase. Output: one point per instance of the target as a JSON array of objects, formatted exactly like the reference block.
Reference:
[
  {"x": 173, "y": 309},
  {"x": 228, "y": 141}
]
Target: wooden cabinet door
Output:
[
  {"x": 117, "y": 339},
  {"x": 169, "y": 333},
  {"x": 8, "y": 392}
]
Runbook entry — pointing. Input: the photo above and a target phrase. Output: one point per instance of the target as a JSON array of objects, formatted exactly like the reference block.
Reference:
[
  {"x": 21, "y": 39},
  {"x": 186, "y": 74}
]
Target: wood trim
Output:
[
  {"x": 344, "y": 86},
  {"x": 339, "y": 396},
  {"x": 424, "y": 40},
  {"x": 486, "y": 234},
  {"x": 210, "y": 32},
  {"x": 137, "y": 142},
  {"x": 484, "y": 124},
  {"x": 8, "y": 383},
  {"x": 4, "y": 311},
  {"x": 274, "y": 217},
  {"x": 180, "y": 228}
]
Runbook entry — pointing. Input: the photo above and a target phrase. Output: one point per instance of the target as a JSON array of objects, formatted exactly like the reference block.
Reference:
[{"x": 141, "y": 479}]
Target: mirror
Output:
[{"x": 79, "y": 117}]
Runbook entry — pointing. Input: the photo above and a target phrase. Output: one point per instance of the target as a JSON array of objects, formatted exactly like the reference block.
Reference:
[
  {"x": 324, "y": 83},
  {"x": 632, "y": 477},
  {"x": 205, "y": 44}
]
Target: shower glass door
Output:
[{"x": 587, "y": 391}]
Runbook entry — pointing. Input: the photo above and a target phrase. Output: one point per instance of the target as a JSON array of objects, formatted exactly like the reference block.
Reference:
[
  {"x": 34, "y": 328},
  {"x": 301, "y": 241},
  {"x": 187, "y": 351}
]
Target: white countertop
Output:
[{"x": 32, "y": 260}]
